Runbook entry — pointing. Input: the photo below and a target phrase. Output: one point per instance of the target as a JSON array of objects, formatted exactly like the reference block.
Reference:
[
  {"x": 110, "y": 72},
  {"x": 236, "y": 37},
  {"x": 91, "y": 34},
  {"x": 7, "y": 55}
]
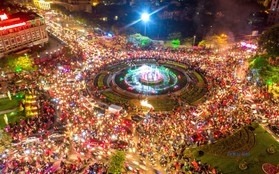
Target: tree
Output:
[
  {"x": 269, "y": 74},
  {"x": 95, "y": 2},
  {"x": 258, "y": 63},
  {"x": 264, "y": 3},
  {"x": 116, "y": 164},
  {"x": 269, "y": 40},
  {"x": 20, "y": 63},
  {"x": 217, "y": 41},
  {"x": 175, "y": 43},
  {"x": 140, "y": 41},
  {"x": 202, "y": 43}
]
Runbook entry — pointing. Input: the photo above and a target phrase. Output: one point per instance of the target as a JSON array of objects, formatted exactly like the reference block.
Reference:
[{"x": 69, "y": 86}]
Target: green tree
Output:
[
  {"x": 18, "y": 63},
  {"x": 258, "y": 63},
  {"x": 175, "y": 43},
  {"x": 269, "y": 74},
  {"x": 139, "y": 40},
  {"x": 269, "y": 40},
  {"x": 202, "y": 43},
  {"x": 116, "y": 164}
]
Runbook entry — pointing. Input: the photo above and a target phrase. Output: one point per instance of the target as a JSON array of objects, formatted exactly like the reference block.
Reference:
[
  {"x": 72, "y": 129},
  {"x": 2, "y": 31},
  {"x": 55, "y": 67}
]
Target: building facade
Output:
[
  {"x": 273, "y": 16},
  {"x": 20, "y": 31},
  {"x": 75, "y": 5}
]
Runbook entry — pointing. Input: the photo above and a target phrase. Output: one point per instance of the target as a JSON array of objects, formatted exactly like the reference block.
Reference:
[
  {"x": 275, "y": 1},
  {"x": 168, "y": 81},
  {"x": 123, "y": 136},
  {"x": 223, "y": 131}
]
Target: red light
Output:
[{"x": 12, "y": 26}]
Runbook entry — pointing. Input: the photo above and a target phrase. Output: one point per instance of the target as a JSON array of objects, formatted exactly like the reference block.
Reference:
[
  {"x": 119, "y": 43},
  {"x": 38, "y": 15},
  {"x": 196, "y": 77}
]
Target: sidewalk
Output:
[
  {"x": 8, "y": 111},
  {"x": 264, "y": 126}
]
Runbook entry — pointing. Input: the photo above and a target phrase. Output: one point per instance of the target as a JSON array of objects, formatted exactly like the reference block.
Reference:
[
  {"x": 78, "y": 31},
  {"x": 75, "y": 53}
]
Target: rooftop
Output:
[{"x": 25, "y": 16}]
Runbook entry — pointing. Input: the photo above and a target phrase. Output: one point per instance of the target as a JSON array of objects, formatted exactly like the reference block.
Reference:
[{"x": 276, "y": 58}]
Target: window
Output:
[
  {"x": 12, "y": 41},
  {"x": 18, "y": 39},
  {"x": 7, "y": 44},
  {"x": 23, "y": 38},
  {"x": 28, "y": 36},
  {"x": 38, "y": 34},
  {"x": 1, "y": 44},
  {"x": 33, "y": 35}
]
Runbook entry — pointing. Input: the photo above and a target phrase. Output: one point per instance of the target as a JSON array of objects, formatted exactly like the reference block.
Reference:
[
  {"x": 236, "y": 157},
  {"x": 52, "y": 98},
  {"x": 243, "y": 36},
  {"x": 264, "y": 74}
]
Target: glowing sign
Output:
[
  {"x": 3, "y": 17},
  {"x": 247, "y": 45},
  {"x": 12, "y": 26}
]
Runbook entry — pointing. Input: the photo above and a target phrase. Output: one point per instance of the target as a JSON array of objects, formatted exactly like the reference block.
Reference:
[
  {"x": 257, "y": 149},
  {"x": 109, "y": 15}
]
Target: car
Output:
[
  {"x": 197, "y": 137},
  {"x": 93, "y": 142},
  {"x": 15, "y": 142},
  {"x": 31, "y": 140},
  {"x": 137, "y": 118},
  {"x": 119, "y": 144},
  {"x": 128, "y": 122},
  {"x": 56, "y": 136}
]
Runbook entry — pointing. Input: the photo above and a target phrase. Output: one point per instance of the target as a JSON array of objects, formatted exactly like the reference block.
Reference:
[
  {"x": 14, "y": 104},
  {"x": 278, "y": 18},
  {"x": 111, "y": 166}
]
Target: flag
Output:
[{"x": 6, "y": 119}]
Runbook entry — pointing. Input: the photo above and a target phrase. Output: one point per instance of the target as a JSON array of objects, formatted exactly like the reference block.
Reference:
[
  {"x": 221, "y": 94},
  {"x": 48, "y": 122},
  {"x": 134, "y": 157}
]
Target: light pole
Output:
[
  {"x": 145, "y": 18},
  {"x": 194, "y": 41}
]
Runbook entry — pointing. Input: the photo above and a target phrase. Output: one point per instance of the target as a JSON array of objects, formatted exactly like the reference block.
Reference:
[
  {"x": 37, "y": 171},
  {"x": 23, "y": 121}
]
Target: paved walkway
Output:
[
  {"x": 8, "y": 111},
  {"x": 264, "y": 126}
]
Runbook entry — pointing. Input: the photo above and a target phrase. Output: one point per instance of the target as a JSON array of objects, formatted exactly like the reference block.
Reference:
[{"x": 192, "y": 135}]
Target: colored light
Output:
[
  {"x": 269, "y": 82},
  {"x": 18, "y": 69},
  {"x": 150, "y": 79},
  {"x": 12, "y": 26}
]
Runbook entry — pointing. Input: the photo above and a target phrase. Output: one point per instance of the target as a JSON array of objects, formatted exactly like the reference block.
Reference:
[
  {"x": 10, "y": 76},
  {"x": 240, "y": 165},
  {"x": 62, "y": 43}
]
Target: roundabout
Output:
[{"x": 153, "y": 80}]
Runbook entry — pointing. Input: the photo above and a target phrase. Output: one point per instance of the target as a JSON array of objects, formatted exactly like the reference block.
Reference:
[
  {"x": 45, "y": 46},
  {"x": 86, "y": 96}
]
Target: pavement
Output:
[
  {"x": 8, "y": 111},
  {"x": 54, "y": 46},
  {"x": 264, "y": 126}
]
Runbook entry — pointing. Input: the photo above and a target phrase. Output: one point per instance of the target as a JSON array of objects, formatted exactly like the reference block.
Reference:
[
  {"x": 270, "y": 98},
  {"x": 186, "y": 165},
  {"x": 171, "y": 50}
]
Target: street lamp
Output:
[
  {"x": 145, "y": 18},
  {"x": 194, "y": 41}
]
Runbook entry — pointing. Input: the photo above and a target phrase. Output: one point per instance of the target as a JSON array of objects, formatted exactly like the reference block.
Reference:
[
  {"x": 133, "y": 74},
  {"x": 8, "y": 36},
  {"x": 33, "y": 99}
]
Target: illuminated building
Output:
[
  {"x": 21, "y": 30},
  {"x": 42, "y": 4},
  {"x": 76, "y": 5},
  {"x": 273, "y": 16}
]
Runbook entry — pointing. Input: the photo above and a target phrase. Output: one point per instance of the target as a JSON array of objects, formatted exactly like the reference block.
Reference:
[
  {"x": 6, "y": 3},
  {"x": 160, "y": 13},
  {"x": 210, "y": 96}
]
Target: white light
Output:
[
  {"x": 145, "y": 17},
  {"x": 27, "y": 151},
  {"x": 114, "y": 137},
  {"x": 145, "y": 103},
  {"x": 83, "y": 133},
  {"x": 76, "y": 138}
]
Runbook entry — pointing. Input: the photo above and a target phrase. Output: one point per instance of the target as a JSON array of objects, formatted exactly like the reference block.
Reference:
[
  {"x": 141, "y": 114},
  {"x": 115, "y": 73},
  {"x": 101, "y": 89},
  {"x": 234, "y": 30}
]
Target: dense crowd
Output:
[{"x": 90, "y": 136}]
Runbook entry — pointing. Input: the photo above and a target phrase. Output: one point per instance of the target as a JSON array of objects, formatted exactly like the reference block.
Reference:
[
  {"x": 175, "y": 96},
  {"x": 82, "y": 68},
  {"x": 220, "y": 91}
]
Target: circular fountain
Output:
[
  {"x": 164, "y": 83},
  {"x": 150, "y": 75},
  {"x": 149, "y": 80}
]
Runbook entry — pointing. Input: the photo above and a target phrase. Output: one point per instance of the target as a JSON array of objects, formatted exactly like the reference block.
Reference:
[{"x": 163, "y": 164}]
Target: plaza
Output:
[{"x": 169, "y": 111}]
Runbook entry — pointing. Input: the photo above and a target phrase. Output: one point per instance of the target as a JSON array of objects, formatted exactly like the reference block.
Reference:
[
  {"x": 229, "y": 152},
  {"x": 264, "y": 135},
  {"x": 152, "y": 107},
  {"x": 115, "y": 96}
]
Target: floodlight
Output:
[{"x": 145, "y": 17}]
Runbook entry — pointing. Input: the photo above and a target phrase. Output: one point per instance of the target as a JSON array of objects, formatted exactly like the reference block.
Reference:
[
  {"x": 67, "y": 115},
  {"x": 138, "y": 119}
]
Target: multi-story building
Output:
[
  {"x": 75, "y": 5},
  {"x": 273, "y": 16},
  {"x": 21, "y": 30}
]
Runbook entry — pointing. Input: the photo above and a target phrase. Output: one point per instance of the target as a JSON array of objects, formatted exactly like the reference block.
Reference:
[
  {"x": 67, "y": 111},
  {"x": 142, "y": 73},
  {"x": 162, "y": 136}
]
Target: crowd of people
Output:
[
  {"x": 161, "y": 139},
  {"x": 33, "y": 125}
]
